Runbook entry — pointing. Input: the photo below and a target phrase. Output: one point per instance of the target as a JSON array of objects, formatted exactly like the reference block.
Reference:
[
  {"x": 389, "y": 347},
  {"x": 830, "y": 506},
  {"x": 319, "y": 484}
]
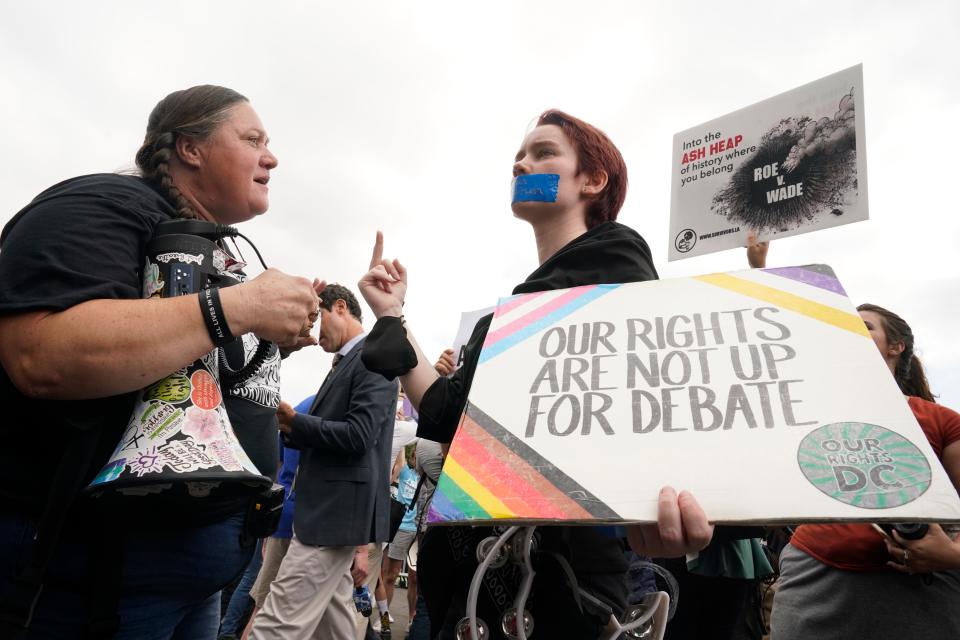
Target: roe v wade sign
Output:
[
  {"x": 759, "y": 391},
  {"x": 790, "y": 164}
]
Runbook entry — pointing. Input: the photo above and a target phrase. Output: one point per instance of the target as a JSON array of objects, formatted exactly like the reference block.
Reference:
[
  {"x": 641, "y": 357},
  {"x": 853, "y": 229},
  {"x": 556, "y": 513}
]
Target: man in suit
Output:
[{"x": 342, "y": 488}]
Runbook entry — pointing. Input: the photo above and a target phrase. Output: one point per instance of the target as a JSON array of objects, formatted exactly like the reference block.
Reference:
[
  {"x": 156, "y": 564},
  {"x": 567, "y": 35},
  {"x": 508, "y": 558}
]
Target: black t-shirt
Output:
[
  {"x": 82, "y": 239},
  {"x": 85, "y": 239}
]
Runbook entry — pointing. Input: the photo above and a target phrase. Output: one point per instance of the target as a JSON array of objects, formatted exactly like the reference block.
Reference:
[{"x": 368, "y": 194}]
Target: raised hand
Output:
[{"x": 384, "y": 286}]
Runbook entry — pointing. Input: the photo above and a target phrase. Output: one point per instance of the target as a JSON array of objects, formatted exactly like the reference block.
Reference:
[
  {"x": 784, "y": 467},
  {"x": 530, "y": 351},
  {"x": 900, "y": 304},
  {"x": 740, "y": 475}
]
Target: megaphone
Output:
[{"x": 179, "y": 440}]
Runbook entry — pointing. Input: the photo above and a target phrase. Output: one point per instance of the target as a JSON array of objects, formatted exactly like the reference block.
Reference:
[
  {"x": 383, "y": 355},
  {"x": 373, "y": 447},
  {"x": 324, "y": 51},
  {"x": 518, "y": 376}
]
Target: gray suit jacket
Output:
[{"x": 343, "y": 483}]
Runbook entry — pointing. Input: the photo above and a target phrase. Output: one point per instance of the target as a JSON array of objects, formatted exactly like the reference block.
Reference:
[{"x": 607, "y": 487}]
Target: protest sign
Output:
[
  {"x": 790, "y": 164},
  {"x": 468, "y": 322},
  {"x": 760, "y": 391}
]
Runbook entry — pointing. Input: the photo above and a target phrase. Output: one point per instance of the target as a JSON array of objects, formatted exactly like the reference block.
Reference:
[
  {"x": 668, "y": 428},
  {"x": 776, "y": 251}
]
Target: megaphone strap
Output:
[{"x": 230, "y": 378}]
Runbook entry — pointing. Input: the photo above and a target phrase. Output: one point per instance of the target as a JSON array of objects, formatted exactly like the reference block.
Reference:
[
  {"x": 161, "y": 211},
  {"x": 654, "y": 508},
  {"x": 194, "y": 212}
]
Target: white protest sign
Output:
[
  {"x": 790, "y": 164},
  {"x": 468, "y": 322},
  {"x": 759, "y": 391}
]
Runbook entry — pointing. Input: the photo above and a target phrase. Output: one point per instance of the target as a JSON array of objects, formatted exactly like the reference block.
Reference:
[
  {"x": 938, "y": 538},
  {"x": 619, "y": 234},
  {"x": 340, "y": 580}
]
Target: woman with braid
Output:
[
  {"x": 851, "y": 580},
  {"x": 78, "y": 340}
]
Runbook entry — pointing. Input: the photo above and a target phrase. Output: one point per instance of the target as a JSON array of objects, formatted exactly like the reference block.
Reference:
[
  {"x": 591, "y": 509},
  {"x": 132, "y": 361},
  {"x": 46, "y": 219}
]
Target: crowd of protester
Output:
[{"x": 357, "y": 463}]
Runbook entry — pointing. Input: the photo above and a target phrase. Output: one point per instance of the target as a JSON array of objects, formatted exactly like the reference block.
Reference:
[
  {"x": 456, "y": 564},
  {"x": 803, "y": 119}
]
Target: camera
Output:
[{"x": 907, "y": 530}]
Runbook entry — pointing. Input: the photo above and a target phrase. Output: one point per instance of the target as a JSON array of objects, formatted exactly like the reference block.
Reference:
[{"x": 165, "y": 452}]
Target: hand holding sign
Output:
[
  {"x": 681, "y": 527},
  {"x": 756, "y": 251},
  {"x": 446, "y": 364}
]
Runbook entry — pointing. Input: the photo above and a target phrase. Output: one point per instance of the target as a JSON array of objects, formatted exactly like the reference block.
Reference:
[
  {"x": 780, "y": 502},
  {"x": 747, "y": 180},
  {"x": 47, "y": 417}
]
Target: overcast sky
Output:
[{"x": 405, "y": 117}]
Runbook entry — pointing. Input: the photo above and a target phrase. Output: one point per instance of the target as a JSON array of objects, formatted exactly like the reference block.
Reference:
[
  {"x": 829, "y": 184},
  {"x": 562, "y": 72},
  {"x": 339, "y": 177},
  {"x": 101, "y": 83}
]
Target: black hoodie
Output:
[{"x": 609, "y": 253}]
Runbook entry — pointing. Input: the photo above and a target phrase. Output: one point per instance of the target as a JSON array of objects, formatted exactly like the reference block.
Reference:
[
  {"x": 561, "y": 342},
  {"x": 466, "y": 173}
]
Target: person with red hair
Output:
[
  {"x": 595, "y": 155},
  {"x": 570, "y": 182}
]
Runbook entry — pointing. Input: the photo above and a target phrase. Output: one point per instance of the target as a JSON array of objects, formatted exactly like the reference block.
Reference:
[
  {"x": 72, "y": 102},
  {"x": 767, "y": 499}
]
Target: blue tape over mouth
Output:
[{"x": 535, "y": 187}]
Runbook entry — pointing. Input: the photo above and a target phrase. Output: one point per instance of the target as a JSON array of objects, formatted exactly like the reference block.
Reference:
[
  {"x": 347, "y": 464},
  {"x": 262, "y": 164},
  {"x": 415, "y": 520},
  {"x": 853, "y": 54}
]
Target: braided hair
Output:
[
  {"x": 194, "y": 112},
  {"x": 908, "y": 371}
]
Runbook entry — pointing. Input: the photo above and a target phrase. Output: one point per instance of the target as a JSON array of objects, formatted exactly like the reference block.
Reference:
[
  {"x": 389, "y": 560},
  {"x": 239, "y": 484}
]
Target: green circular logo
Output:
[{"x": 864, "y": 465}]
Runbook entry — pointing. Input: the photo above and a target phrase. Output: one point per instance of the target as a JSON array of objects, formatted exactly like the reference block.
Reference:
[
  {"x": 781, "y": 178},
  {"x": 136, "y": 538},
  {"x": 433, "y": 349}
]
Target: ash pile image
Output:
[{"x": 801, "y": 169}]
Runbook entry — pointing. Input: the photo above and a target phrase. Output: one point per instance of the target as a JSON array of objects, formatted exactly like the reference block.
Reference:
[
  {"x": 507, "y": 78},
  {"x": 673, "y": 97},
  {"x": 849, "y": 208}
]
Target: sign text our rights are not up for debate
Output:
[{"x": 668, "y": 364}]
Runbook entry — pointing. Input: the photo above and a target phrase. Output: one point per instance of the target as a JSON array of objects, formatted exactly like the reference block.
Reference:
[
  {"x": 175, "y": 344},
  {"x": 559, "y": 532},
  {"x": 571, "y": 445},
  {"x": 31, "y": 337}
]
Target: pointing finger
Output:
[{"x": 377, "y": 251}]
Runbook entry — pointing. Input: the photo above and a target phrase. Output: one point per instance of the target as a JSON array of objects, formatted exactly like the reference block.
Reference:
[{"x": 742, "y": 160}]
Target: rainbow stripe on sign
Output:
[
  {"x": 786, "y": 300},
  {"x": 490, "y": 474},
  {"x": 542, "y": 316},
  {"x": 815, "y": 275}
]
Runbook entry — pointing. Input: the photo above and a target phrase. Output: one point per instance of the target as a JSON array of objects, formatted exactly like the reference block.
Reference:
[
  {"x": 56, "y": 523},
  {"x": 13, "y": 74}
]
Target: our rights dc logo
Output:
[
  {"x": 864, "y": 465},
  {"x": 685, "y": 240}
]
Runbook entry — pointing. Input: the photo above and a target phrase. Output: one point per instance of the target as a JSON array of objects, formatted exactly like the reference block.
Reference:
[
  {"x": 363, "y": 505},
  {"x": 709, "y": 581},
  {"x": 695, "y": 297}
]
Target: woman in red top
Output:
[{"x": 849, "y": 580}]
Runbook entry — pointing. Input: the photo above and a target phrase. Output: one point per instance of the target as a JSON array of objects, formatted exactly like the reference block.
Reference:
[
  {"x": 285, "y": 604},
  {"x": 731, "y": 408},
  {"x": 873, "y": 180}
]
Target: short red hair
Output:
[{"x": 595, "y": 153}]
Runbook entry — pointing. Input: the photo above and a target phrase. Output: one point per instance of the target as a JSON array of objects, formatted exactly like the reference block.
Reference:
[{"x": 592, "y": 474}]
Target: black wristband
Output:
[{"x": 213, "y": 317}]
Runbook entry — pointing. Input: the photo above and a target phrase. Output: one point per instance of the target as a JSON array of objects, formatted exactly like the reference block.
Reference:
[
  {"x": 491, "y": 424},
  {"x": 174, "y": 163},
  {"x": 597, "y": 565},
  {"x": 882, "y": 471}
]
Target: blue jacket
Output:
[{"x": 289, "y": 459}]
